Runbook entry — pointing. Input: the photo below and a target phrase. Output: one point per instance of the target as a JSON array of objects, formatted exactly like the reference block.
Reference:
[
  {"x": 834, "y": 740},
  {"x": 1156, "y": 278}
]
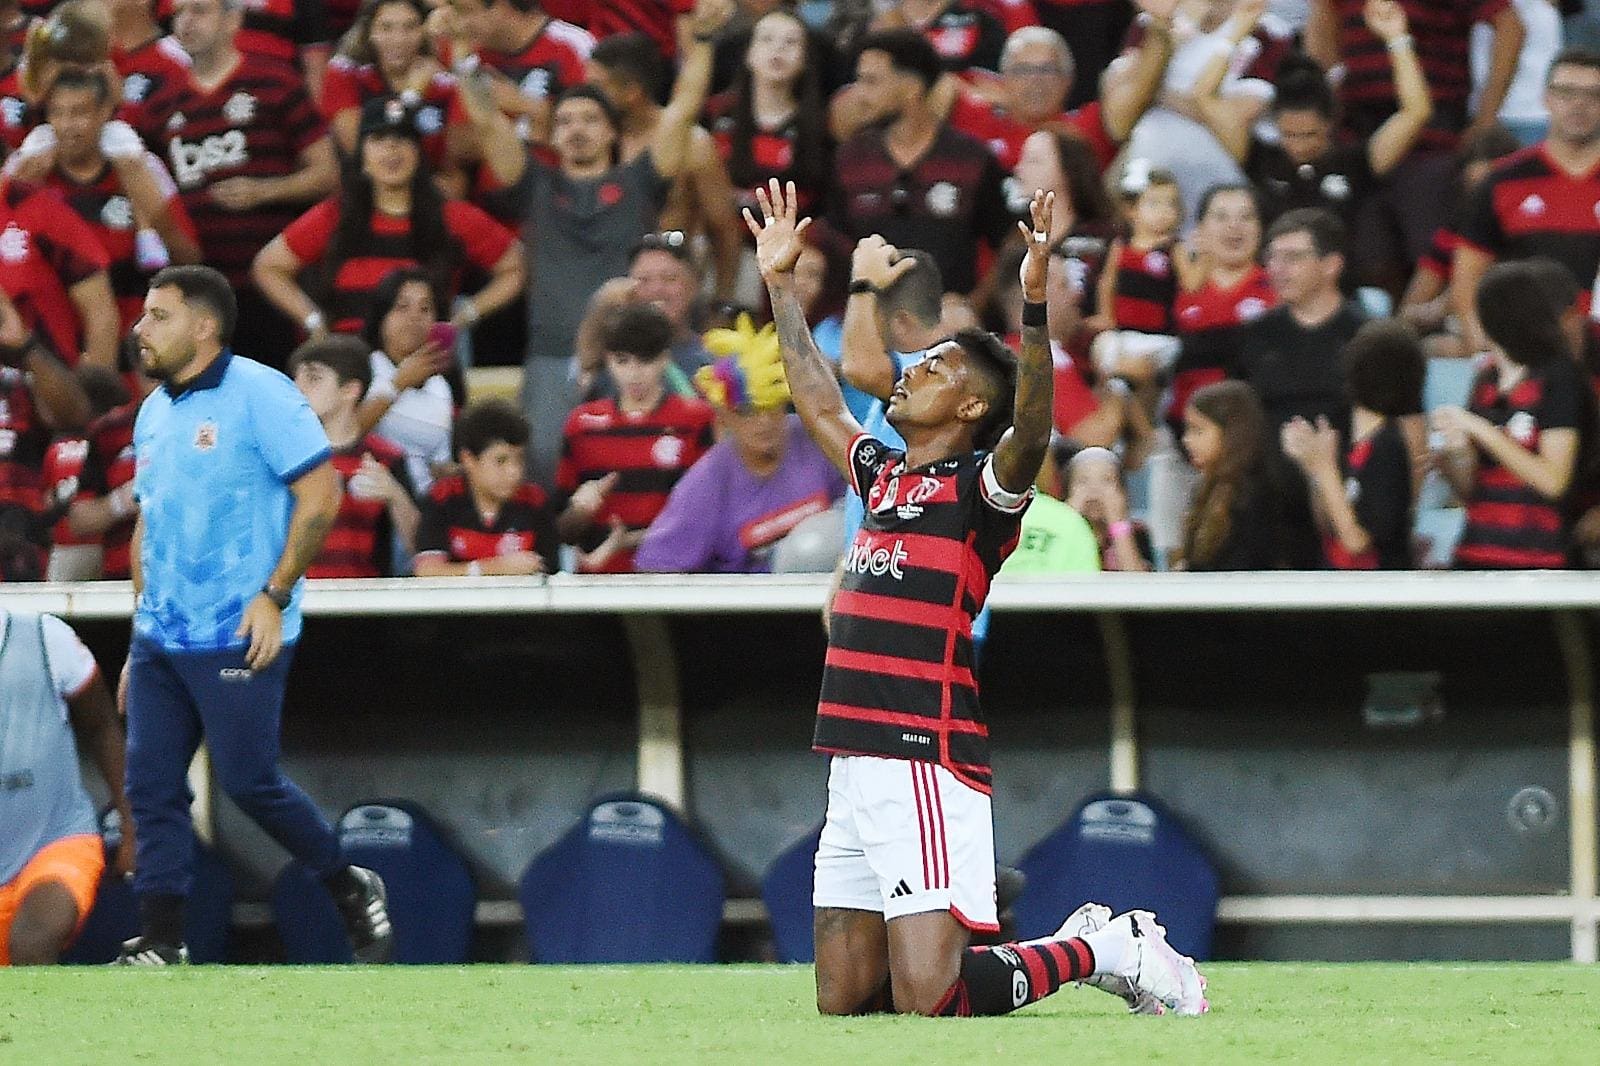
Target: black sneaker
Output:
[
  {"x": 142, "y": 951},
  {"x": 366, "y": 917}
]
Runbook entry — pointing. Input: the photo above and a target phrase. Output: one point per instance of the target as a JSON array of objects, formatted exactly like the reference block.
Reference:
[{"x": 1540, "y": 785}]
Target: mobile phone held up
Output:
[{"x": 443, "y": 336}]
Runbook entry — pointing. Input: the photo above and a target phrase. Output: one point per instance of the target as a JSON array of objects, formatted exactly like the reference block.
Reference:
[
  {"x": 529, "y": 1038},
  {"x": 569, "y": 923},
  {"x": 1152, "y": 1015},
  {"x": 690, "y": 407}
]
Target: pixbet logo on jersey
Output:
[{"x": 865, "y": 559}]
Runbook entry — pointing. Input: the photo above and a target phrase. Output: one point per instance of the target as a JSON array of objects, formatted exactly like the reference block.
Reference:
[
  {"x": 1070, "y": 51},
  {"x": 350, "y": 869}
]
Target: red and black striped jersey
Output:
[
  {"x": 555, "y": 59},
  {"x": 452, "y": 527},
  {"x": 475, "y": 235},
  {"x": 255, "y": 124},
  {"x": 149, "y": 67},
  {"x": 1013, "y": 14},
  {"x": 87, "y": 466},
  {"x": 656, "y": 19},
  {"x": 1510, "y": 526},
  {"x": 1377, "y": 483},
  {"x": 24, "y": 439},
  {"x": 772, "y": 155},
  {"x": 104, "y": 206},
  {"x": 17, "y": 115},
  {"x": 1443, "y": 33},
  {"x": 648, "y": 452},
  {"x": 277, "y": 29},
  {"x": 1528, "y": 206},
  {"x": 62, "y": 474},
  {"x": 45, "y": 249},
  {"x": 1004, "y": 135},
  {"x": 898, "y": 680},
  {"x": 346, "y": 85},
  {"x": 360, "y": 544},
  {"x": 1209, "y": 320},
  {"x": 1147, "y": 288},
  {"x": 966, "y": 36},
  {"x": 1441, "y": 253}
]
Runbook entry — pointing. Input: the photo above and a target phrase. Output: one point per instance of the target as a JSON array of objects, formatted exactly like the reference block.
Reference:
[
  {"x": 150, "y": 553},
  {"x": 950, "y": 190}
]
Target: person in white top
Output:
[
  {"x": 410, "y": 401},
  {"x": 1523, "y": 112}
]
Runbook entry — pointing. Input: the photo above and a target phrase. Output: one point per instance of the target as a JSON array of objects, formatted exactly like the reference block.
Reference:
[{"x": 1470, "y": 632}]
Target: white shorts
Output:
[{"x": 905, "y": 837}]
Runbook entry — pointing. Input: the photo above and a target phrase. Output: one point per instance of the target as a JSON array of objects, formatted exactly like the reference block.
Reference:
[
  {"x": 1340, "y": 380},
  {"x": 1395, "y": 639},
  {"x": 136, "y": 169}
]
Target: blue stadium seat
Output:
[
  {"x": 786, "y": 890},
  {"x": 207, "y": 917},
  {"x": 628, "y": 883},
  {"x": 431, "y": 893},
  {"x": 1128, "y": 852}
]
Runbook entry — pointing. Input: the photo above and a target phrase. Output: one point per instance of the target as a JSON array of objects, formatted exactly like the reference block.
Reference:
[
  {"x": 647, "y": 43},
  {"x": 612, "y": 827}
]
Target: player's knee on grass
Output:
[
  {"x": 925, "y": 952},
  {"x": 852, "y": 961},
  {"x": 43, "y": 926}
]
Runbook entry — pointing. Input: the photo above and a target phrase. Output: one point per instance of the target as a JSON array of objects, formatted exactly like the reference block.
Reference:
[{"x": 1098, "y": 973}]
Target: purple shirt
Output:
[{"x": 722, "y": 519}]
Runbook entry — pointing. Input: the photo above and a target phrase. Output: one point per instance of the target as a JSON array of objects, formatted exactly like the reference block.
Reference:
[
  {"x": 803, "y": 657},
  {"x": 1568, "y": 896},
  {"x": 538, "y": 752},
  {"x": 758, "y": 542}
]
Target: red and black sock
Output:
[{"x": 1000, "y": 979}]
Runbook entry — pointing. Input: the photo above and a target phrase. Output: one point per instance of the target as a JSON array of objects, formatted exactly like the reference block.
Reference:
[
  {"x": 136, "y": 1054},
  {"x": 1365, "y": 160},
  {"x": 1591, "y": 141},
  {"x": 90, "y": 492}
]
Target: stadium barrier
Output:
[{"x": 1282, "y": 617}]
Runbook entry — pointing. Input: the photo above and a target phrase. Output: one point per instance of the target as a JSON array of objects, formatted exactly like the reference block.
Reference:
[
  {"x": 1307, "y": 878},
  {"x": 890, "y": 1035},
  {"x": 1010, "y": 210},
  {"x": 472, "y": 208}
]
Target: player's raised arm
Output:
[
  {"x": 811, "y": 382},
  {"x": 1021, "y": 452}
]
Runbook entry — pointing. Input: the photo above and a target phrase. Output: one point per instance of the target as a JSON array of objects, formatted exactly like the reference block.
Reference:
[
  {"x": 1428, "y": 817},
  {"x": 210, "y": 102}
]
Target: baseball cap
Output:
[{"x": 389, "y": 114}]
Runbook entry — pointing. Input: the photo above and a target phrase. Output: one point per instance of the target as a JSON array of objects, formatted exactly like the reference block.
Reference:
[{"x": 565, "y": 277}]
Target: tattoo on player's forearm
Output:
[
  {"x": 1035, "y": 383},
  {"x": 810, "y": 376}
]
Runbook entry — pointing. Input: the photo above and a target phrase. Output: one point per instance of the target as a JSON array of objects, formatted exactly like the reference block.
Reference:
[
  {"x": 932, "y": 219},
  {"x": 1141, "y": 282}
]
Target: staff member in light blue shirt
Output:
[{"x": 236, "y": 493}]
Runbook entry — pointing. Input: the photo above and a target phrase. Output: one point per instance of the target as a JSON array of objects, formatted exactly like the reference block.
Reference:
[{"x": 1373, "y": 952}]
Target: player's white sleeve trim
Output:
[
  {"x": 72, "y": 664},
  {"x": 996, "y": 495}
]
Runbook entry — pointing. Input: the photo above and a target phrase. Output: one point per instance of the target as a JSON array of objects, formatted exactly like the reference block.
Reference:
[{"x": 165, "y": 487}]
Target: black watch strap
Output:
[
  {"x": 860, "y": 287},
  {"x": 279, "y": 596}
]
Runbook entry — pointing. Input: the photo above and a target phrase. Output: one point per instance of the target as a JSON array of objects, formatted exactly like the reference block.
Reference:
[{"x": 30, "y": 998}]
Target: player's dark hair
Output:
[
  {"x": 94, "y": 80},
  {"x": 1575, "y": 57},
  {"x": 104, "y": 387},
  {"x": 641, "y": 330},
  {"x": 997, "y": 365},
  {"x": 813, "y": 154},
  {"x": 204, "y": 286},
  {"x": 634, "y": 58},
  {"x": 1519, "y": 316},
  {"x": 919, "y": 291},
  {"x": 909, "y": 53},
  {"x": 1302, "y": 85},
  {"x": 1323, "y": 226},
  {"x": 357, "y": 41},
  {"x": 1384, "y": 367},
  {"x": 487, "y": 423},
  {"x": 1223, "y": 189},
  {"x": 348, "y": 357}
]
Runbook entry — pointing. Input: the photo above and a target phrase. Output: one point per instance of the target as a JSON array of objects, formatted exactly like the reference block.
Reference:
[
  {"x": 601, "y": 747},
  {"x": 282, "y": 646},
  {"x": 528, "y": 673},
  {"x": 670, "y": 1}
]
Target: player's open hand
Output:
[
  {"x": 263, "y": 627},
  {"x": 778, "y": 243},
  {"x": 1039, "y": 239}
]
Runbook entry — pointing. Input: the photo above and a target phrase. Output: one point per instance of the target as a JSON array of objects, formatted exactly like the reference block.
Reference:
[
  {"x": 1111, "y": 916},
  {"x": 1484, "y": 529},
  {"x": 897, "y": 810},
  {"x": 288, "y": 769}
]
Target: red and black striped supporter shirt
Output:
[
  {"x": 656, "y": 19},
  {"x": 451, "y": 526},
  {"x": 966, "y": 36},
  {"x": 277, "y": 29},
  {"x": 948, "y": 204},
  {"x": 898, "y": 680},
  {"x": 1378, "y": 486},
  {"x": 1209, "y": 320},
  {"x": 347, "y": 85},
  {"x": 45, "y": 249},
  {"x": 104, "y": 206},
  {"x": 1441, "y": 253},
  {"x": 772, "y": 155},
  {"x": 255, "y": 124},
  {"x": 553, "y": 60},
  {"x": 1510, "y": 526},
  {"x": 17, "y": 115},
  {"x": 477, "y": 237},
  {"x": 1147, "y": 288},
  {"x": 361, "y": 542},
  {"x": 648, "y": 453},
  {"x": 1528, "y": 206},
  {"x": 1442, "y": 30},
  {"x": 24, "y": 439},
  {"x": 88, "y": 467},
  {"x": 149, "y": 67}
]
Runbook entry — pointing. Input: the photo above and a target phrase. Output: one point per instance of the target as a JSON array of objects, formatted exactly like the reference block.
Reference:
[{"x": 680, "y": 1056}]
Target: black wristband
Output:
[
  {"x": 706, "y": 38},
  {"x": 858, "y": 287},
  {"x": 280, "y": 597},
  {"x": 15, "y": 357},
  {"x": 1035, "y": 314}
]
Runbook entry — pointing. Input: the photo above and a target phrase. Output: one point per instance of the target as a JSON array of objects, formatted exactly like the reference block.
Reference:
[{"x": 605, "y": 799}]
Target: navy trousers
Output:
[{"x": 175, "y": 698}]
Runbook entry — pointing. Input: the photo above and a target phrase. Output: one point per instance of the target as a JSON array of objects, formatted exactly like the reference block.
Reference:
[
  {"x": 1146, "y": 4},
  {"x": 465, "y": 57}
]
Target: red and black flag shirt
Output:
[
  {"x": 361, "y": 542},
  {"x": 277, "y": 29},
  {"x": 898, "y": 680},
  {"x": 648, "y": 453},
  {"x": 1528, "y": 206},
  {"x": 1511, "y": 526},
  {"x": 1443, "y": 33},
  {"x": 45, "y": 249},
  {"x": 481, "y": 240},
  {"x": 104, "y": 206},
  {"x": 656, "y": 19},
  {"x": 24, "y": 439},
  {"x": 255, "y": 125},
  {"x": 346, "y": 85},
  {"x": 1377, "y": 482},
  {"x": 452, "y": 527},
  {"x": 91, "y": 466},
  {"x": 1147, "y": 289},
  {"x": 1209, "y": 321},
  {"x": 145, "y": 70}
]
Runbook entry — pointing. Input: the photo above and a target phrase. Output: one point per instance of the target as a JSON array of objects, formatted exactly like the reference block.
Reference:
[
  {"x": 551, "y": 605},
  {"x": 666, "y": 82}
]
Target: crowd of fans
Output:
[{"x": 1285, "y": 223}]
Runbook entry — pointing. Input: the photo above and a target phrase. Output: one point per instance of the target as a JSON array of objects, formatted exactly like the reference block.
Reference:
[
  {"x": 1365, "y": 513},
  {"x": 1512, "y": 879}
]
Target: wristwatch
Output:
[{"x": 278, "y": 596}]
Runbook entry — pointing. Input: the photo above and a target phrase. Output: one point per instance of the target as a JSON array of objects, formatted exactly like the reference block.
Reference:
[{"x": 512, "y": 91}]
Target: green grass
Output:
[{"x": 608, "y": 1016}]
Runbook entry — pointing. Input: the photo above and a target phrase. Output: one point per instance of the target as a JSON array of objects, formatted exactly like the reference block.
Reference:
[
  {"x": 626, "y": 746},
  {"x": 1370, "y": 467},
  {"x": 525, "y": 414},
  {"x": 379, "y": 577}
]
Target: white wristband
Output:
[
  {"x": 1396, "y": 44},
  {"x": 475, "y": 569},
  {"x": 314, "y": 322}
]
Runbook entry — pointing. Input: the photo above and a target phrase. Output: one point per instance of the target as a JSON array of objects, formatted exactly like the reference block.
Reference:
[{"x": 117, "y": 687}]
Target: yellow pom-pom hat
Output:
[{"x": 748, "y": 370}]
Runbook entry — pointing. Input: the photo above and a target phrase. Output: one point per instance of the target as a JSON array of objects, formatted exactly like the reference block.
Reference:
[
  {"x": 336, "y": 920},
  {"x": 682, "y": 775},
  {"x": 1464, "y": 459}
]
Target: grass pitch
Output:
[{"x": 609, "y": 1016}]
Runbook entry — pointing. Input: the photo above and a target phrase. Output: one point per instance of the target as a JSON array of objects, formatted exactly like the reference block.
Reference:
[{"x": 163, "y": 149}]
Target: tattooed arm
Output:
[
  {"x": 316, "y": 505},
  {"x": 812, "y": 383},
  {"x": 1021, "y": 452}
]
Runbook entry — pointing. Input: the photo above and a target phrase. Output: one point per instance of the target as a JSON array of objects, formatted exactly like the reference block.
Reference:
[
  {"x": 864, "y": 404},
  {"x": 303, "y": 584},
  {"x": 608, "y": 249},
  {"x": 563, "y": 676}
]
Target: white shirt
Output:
[
  {"x": 419, "y": 422},
  {"x": 72, "y": 665},
  {"x": 1525, "y": 98}
]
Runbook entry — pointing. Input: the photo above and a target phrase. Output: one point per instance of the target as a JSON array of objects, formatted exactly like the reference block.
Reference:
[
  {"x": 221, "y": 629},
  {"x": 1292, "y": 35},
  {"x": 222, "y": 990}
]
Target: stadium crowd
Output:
[{"x": 1324, "y": 278}]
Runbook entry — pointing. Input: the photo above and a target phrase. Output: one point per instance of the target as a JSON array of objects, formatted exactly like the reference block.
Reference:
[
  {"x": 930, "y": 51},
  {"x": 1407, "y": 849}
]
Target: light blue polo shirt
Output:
[{"x": 215, "y": 459}]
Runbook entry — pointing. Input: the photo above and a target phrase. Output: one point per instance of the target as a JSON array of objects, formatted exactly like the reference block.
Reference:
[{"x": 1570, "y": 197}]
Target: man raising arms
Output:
[{"x": 905, "y": 868}]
